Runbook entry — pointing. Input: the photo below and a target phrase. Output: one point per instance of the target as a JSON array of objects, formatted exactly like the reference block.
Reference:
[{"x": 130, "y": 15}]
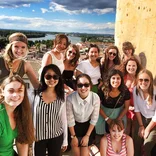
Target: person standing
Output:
[
  {"x": 49, "y": 113},
  {"x": 82, "y": 114},
  {"x": 144, "y": 95},
  {"x": 15, "y": 117},
  {"x": 91, "y": 66},
  {"x": 56, "y": 55},
  {"x": 13, "y": 59}
]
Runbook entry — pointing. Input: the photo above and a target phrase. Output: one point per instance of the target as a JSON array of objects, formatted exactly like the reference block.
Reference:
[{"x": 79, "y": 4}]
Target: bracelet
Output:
[
  {"x": 106, "y": 119},
  {"x": 73, "y": 136},
  {"x": 141, "y": 125},
  {"x": 87, "y": 135}
]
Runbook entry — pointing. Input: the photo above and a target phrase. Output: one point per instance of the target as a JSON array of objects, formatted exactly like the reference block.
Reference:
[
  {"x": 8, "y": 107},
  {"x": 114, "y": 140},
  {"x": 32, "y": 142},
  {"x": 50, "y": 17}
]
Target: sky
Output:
[{"x": 83, "y": 16}]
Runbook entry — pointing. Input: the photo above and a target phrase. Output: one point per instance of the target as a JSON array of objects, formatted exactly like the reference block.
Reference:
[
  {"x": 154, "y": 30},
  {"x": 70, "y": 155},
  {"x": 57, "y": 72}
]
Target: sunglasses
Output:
[
  {"x": 111, "y": 53},
  {"x": 145, "y": 80},
  {"x": 80, "y": 85},
  {"x": 70, "y": 52},
  {"x": 48, "y": 77}
]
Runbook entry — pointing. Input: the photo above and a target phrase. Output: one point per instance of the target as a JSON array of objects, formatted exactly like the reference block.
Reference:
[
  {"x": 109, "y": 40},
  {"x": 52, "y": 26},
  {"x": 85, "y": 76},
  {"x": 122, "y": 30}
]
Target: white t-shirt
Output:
[
  {"x": 87, "y": 68},
  {"x": 141, "y": 105}
]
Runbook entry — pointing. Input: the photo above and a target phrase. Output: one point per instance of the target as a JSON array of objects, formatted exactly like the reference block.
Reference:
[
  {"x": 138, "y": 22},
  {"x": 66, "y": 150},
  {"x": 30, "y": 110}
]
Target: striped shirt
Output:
[
  {"x": 111, "y": 152},
  {"x": 48, "y": 120}
]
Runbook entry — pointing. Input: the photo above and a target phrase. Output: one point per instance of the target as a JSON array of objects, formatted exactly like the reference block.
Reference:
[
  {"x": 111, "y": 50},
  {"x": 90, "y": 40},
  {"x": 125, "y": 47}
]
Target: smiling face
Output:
[
  {"x": 115, "y": 133},
  {"x": 115, "y": 81},
  {"x": 83, "y": 87},
  {"x": 112, "y": 53},
  {"x": 71, "y": 53},
  {"x": 62, "y": 45},
  {"x": 131, "y": 67},
  {"x": 144, "y": 81},
  {"x": 19, "y": 49},
  {"x": 51, "y": 78},
  {"x": 93, "y": 53},
  {"x": 13, "y": 94}
]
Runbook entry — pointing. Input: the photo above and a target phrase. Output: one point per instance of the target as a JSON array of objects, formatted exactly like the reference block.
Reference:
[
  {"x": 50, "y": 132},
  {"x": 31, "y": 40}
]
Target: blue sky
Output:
[{"x": 84, "y": 16}]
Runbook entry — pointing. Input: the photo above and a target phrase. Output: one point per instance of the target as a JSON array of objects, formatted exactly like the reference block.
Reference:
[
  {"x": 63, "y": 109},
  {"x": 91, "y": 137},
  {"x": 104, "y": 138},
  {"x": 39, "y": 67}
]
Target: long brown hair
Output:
[
  {"x": 151, "y": 86},
  {"x": 74, "y": 61},
  {"x": 22, "y": 113}
]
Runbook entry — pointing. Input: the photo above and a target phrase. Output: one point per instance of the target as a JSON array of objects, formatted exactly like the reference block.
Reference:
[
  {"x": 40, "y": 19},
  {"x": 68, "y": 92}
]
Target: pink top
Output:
[{"x": 111, "y": 152}]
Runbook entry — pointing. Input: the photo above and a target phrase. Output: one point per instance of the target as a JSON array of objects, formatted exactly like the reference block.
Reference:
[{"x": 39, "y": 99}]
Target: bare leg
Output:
[
  {"x": 84, "y": 151},
  {"x": 76, "y": 151}
]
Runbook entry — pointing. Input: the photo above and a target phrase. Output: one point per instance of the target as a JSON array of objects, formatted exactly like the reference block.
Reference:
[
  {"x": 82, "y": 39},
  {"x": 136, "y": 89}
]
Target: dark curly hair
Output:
[{"x": 107, "y": 85}]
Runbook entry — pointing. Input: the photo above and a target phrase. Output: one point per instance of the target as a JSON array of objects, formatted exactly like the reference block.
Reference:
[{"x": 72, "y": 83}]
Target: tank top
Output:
[
  {"x": 4, "y": 72},
  {"x": 57, "y": 62},
  {"x": 111, "y": 152}
]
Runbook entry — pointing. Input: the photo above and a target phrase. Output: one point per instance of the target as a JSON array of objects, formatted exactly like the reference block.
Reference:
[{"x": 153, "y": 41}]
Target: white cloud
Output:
[
  {"x": 33, "y": 10},
  {"x": 44, "y": 10},
  {"x": 52, "y": 25},
  {"x": 57, "y": 7}
]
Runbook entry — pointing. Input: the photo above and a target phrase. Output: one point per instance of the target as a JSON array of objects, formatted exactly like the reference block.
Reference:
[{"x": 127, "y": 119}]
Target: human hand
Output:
[
  {"x": 131, "y": 108},
  {"x": 74, "y": 142},
  {"x": 64, "y": 148},
  {"x": 109, "y": 121},
  {"x": 141, "y": 131},
  {"x": 84, "y": 141},
  {"x": 146, "y": 133}
]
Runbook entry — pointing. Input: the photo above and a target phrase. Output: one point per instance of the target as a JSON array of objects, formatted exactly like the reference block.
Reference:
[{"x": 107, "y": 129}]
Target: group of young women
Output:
[{"x": 76, "y": 103}]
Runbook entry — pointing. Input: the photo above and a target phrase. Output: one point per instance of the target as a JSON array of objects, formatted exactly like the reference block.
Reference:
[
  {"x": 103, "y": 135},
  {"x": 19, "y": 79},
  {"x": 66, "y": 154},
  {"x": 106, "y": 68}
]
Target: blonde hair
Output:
[{"x": 151, "y": 86}]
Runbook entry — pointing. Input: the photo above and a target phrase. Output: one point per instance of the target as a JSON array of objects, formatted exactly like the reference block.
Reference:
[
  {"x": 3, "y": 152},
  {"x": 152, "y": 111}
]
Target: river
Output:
[{"x": 73, "y": 39}]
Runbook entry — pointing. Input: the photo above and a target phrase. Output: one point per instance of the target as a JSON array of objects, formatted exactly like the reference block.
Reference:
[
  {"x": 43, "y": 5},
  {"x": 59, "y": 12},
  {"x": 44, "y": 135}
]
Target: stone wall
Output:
[{"x": 136, "y": 22}]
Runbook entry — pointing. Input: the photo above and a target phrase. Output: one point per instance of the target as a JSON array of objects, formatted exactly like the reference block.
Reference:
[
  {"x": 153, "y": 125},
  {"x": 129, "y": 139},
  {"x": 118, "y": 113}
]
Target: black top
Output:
[
  {"x": 67, "y": 76},
  {"x": 111, "y": 102}
]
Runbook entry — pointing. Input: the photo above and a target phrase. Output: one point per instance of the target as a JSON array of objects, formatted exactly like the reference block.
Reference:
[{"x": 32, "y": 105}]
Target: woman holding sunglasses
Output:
[
  {"x": 91, "y": 66},
  {"x": 82, "y": 114},
  {"x": 72, "y": 56},
  {"x": 49, "y": 113},
  {"x": 110, "y": 60},
  {"x": 144, "y": 95}
]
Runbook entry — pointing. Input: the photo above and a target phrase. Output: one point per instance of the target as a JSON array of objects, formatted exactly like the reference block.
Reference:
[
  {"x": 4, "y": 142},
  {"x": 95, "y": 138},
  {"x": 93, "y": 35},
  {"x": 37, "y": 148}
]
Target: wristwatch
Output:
[{"x": 73, "y": 136}]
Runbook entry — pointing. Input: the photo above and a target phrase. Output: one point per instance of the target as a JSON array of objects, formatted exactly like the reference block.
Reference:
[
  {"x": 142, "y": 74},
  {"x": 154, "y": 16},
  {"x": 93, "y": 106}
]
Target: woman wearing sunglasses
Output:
[
  {"x": 82, "y": 114},
  {"x": 49, "y": 113},
  {"x": 91, "y": 66},
  {"x": 72, "y": 56},
  {"x": 110, "y": 60},
  {"x": 144, "y": 95}
]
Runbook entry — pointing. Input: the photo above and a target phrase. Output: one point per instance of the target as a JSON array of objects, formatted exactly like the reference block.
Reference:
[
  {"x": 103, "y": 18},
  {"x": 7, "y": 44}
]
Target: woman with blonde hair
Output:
[
  {"x": 13, "y": 59},
  {"x": 144, "y": 95}
]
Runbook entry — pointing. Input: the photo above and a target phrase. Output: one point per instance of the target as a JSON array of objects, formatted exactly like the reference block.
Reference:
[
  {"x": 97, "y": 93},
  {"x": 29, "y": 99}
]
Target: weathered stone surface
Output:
[{"x": 136, "y": 22}]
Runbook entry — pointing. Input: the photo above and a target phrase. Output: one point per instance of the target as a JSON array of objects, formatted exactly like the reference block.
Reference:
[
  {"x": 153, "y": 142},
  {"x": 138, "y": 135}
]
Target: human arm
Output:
[
  {"x": 77, "y": 72},
  {"x": 74, "y": 141},
  {"x": 103, "y": 146},
  {"x": 150, "y": 126},
  {"x": 64, "y": 125},
  {"x": 85, "y": 139},
  {"x": 129, "y": 146},
  {"x": 31, "y": 75},
  {"x": 141, "y": 126},
  {"x": 22, "y": 149},
  {"x": 125, "y": 110}
]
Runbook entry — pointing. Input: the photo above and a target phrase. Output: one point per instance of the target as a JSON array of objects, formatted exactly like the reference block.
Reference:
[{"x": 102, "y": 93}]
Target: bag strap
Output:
[{"x": 115, "y": 105}]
